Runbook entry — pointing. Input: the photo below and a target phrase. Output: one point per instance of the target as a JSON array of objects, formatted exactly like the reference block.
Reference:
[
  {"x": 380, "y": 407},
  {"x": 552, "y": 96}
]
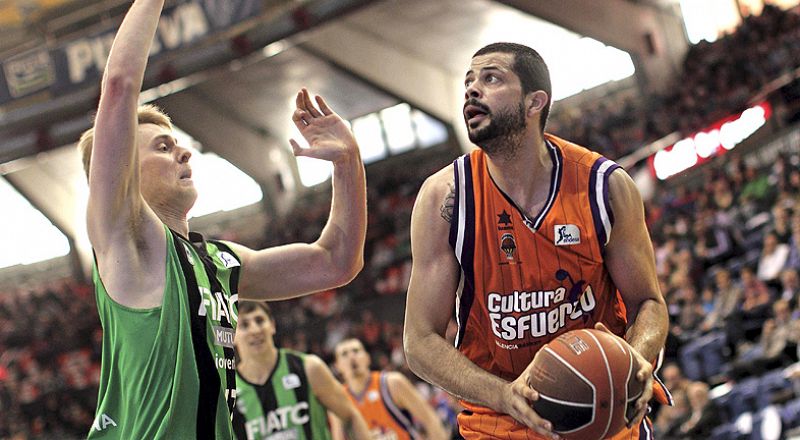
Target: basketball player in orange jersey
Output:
[
  {"x": 527, "y": 237},
  {"x": 386, "y": 400}
]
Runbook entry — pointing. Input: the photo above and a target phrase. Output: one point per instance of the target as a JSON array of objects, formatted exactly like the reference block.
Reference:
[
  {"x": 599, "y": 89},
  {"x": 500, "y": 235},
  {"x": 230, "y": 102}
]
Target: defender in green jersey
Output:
[
  {"x": 283, "y": 394},
  {"x": 166, "y": 297}
]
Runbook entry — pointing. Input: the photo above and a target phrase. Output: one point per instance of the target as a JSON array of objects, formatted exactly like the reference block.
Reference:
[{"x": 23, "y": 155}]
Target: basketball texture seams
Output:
[{"x": 587, "y": 385}]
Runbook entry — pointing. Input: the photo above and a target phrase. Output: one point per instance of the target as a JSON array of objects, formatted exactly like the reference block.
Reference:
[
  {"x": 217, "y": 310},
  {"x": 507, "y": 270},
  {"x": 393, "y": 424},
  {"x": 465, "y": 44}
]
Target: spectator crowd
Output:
[{"x": 716, "y": 80}]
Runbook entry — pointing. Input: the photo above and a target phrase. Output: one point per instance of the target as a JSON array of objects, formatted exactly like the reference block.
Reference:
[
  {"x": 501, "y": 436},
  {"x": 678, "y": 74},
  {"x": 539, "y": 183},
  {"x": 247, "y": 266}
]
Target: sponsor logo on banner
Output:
[
  {"x": 28, "y": 73},
  {"x": 80, "y": 61}
]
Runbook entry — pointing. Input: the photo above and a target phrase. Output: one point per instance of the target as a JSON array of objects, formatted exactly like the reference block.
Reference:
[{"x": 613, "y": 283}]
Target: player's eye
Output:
[{"x": 163, "y": 147}]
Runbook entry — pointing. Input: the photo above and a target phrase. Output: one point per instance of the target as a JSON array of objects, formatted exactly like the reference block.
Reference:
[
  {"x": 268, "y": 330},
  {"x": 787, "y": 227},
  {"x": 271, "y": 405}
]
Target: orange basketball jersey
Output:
[
  {"x": 526, "y": 280},
  {"x": 386, "y": 421}
]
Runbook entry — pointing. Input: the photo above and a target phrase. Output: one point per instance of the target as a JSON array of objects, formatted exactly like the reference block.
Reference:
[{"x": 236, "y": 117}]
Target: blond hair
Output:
[{"x": 146, "y": 114}]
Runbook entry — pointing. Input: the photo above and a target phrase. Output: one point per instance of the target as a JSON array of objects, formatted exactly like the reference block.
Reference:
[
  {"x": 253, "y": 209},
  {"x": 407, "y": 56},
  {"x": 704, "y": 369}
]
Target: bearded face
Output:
[{"x": 504, "y": 125}]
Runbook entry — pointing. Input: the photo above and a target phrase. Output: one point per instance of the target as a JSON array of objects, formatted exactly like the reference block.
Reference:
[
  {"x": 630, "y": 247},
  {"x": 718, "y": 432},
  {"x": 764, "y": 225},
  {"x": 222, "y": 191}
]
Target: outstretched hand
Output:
[
  {"x": 328, "y": 136},
  {"x": 643, "y": 375},
  {"x": 516, "y": 402}
]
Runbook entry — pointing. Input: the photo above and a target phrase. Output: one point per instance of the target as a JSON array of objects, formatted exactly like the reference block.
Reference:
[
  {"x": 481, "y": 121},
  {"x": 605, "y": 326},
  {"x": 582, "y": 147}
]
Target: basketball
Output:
[{"x": 586, "y": 383}]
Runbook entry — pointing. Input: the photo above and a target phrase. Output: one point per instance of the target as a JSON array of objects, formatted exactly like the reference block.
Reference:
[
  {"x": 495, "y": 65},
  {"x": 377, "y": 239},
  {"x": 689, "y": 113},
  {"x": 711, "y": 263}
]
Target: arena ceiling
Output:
[{"x": 233, "y": 91}]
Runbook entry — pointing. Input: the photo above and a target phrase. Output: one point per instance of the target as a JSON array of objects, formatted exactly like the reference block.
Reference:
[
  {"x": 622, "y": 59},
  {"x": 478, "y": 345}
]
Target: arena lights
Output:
[{"x": 719, "y": 138}]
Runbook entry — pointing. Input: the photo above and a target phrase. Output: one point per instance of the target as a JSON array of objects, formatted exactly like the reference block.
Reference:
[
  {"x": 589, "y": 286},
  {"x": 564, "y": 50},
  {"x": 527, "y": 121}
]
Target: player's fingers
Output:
[
  {"x": 296, "y": 149},
  {"x": 643, "y": 401},
  {"x": 640, "y": 410},
  {"x": 637, "y": 419},
  {"x": 645, "y": 372},
  {"x": 323, "y": 106},
  {"x": 602, "y": 327},
  {"x": 647, "y": 394},
  {"x": 310, "y": 108},
  {"x": 530, "y": 418},
  {"x": 300, "y": 119},
  {"x": 299, "y": 102},
  {"x": 525, "y": 391}
]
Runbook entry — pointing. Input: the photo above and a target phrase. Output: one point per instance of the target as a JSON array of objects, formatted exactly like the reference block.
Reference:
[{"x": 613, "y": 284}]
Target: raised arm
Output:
[
  {"x": 125, "y": 233},
  {"x": 331, "y": 394},
  {"x": 630, "y": 261},
  {"x": 338, "y": 255},
  {"x": 408, "y": 398},
  {"x": 431, "y": 299}
]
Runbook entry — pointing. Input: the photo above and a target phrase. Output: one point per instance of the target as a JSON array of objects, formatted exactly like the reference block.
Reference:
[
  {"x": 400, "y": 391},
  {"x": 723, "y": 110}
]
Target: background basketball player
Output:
[
  {"x": 387, "y": 400},
  {"x": 518, "y": 237},
  {"x": 283, "y": 393}
]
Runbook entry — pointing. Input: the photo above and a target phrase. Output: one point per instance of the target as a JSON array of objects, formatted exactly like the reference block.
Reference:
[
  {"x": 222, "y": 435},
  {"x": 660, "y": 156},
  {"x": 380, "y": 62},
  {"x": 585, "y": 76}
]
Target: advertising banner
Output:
[
  {"x": 79, "y": 62},
  {"x": 712, "y": 141}
]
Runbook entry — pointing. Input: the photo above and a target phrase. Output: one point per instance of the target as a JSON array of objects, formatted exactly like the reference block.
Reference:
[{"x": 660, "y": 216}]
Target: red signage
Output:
[{"x": 713, "y": 141}]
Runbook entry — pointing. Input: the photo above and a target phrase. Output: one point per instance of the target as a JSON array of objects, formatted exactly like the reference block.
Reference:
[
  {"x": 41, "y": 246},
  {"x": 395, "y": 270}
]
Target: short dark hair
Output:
[
  {"x": 531, "y": 69},
  {"x": 250, "y": 306},
  {"x": 347, "y": 339}
]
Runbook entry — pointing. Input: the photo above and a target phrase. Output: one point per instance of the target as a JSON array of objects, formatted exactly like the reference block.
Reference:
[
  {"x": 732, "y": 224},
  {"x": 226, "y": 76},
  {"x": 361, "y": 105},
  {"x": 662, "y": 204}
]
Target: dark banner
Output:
[{"x": 74, "y": 64}]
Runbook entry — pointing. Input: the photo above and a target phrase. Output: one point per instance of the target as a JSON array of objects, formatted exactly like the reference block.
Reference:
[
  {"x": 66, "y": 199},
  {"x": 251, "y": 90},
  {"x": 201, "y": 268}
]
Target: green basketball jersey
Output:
[
  {"x": 168, "y": 372},
  {"x": 284, "y": 408}
]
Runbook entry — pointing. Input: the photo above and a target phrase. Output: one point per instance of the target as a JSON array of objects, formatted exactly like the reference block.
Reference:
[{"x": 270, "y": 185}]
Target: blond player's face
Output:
[
  {"x": 254, "y": 332},
  {"x": 165, "y": 174},
  {"x": 352, "y": 359}
]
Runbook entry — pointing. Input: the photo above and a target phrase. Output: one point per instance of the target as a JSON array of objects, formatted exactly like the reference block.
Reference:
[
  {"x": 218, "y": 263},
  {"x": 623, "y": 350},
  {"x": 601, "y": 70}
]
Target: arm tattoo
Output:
[{"x": 446, "y": 210}]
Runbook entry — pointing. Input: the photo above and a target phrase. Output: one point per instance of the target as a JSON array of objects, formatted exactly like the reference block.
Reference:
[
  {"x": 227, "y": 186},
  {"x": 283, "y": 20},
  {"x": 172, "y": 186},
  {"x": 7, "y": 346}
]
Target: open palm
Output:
[{"x": 328, "y": 136}]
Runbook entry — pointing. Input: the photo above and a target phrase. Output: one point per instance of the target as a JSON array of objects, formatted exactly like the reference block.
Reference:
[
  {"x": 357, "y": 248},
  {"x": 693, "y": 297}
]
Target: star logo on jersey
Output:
[
  {"x": 504, "y": 218},
  {"x": 373, "y": 396},
  {"x": 508, "y": 245}
]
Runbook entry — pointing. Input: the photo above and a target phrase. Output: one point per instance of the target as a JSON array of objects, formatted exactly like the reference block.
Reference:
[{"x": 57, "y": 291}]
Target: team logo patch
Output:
[
  {"x": 228, "y": 260},
  {"x": 373, "y": 396},
  {"x": 508, "y": 245},
  {"x": 566, "y": 235},
  {"x": 291, "y": 381}
]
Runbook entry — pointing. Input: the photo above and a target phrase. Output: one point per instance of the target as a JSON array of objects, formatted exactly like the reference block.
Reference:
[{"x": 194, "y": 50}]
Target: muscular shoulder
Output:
[
  {"x": 399, "y": 385},
  {"x": 393, "y": 378},
  {"x": 313, "y": 365},
  {"x": 438, "y": 193},
  {"x": 622, "y": 191}
]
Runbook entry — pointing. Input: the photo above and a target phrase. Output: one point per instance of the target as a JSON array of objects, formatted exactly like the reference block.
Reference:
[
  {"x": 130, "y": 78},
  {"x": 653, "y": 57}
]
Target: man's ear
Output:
[{"x": 536, "y": 102}]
